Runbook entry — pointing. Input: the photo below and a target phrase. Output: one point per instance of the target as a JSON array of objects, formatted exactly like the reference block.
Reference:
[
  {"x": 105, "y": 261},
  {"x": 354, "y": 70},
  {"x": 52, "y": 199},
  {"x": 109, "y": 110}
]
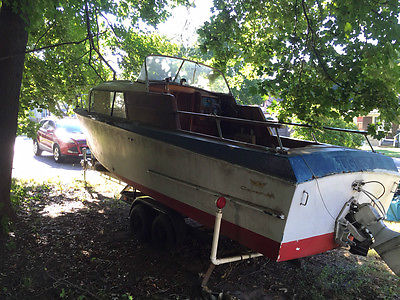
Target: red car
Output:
[{"x": 62, "y": 137}]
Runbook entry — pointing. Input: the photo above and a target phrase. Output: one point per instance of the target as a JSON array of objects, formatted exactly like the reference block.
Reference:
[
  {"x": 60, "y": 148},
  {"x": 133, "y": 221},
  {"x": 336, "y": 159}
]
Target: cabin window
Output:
[
  {"x": 101, "y": 102},
  {"x": 119, "y": 106}
]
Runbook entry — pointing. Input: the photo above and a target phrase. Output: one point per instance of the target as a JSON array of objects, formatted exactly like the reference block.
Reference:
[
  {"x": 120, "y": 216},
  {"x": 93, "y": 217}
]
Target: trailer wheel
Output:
[
  {"x": 140, "y": 220},
  {"x": 162, "y": 232}
]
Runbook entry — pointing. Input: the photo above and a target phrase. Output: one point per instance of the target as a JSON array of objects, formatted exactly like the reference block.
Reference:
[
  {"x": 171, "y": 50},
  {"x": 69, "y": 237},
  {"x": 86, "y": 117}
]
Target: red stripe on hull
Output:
[
  {"x": 250, "y": 239},
  {"x": 307, "y": 247}
]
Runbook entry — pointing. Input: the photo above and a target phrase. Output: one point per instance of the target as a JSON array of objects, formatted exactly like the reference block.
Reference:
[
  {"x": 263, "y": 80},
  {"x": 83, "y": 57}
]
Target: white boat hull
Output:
[{"x": 278, "y": 218}]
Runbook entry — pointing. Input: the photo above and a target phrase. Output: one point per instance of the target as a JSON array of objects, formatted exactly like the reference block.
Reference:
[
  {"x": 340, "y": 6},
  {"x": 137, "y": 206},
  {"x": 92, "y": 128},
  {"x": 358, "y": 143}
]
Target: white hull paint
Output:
[
  {"x": 197, "y": 180},
  {"x": 326, "y": 197}
]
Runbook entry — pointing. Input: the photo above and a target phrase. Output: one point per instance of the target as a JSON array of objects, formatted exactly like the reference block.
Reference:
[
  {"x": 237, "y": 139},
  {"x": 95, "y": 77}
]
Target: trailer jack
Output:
[{"x": 220, "y": 203}]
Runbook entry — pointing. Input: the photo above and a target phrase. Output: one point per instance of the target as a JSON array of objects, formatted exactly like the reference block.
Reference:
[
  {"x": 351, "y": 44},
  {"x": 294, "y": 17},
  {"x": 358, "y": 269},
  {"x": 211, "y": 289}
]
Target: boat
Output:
[{"x": 177, "y": 135}]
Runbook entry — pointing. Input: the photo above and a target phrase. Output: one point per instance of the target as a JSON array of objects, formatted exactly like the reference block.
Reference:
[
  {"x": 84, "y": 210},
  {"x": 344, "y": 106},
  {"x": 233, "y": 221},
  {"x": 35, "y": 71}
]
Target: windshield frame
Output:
[{"x": 173, "y": 78}]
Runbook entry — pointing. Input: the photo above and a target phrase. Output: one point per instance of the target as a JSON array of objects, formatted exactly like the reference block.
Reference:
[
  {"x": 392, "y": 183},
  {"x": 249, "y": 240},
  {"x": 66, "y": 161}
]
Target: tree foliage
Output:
[
  {"x": 322, "y": 58},
  {"x": 132, "y": 47},
  {"x": 350, "y": 140},
  {"x": 63, "y": 40},
  {"x": 68, "y": 46}
]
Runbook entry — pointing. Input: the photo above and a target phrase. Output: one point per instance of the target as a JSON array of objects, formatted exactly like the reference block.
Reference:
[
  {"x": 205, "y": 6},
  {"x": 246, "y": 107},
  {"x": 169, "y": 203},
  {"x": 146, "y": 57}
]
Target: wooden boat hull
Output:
[{"x": 284, "y": 215}]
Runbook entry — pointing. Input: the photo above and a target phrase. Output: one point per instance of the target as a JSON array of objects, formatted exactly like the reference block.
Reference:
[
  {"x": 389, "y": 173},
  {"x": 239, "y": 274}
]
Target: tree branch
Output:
[
  {"x": 295, "y": 19},
  {"x": 80, "y": 57},
  {"x": 94, "y": 69},
  {"x": 317, "y": 54},
  {"x": 44, "y": 33},
  {"x": 91, "y": 65},
  {"x": 97, "y": 30},
  {"x": 48, "y": 47},
  {"x": 57, "y": 45},
  {"x": 92, "y": 45},
  {"x": 110, "y": 25}
]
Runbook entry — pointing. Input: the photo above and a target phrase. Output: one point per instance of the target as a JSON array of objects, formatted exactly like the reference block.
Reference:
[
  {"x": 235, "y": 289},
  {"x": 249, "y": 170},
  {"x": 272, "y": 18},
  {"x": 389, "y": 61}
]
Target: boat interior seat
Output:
[
  {"x": 184, "y": 103},
  {"x": 191, "y": 102},
  {"x": 223, "y": 106},
  {"x": 248, "y": 133},
  {"x": 154, "y": 109},
  {"x": 199, "y": 124}
]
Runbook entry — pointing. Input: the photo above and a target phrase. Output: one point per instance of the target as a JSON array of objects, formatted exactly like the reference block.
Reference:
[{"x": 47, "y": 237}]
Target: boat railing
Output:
[
  {"x": 269, "y": 124},
  {"x": 362, "y": 132}
]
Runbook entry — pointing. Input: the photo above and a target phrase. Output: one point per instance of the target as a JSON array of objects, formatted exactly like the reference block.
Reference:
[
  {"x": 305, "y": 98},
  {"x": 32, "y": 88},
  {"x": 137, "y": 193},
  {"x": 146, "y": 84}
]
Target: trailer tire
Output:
[
  {"x": 163, "y": 233},
  {"x": 140, "y": 219}
]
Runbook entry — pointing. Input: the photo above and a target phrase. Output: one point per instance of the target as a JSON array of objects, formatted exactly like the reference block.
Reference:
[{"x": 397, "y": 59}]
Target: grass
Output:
[
  {"x": 392, "y": 152},
  {"x": 334, "y": 275},
  {"x": 368, "y": 278}
]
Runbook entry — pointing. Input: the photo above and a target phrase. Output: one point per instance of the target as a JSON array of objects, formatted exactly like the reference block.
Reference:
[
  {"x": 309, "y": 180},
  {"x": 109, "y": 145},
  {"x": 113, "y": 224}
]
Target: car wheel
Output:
[
  {"x": 36, "y": 149},
  {"x": 57, "y": 154}
]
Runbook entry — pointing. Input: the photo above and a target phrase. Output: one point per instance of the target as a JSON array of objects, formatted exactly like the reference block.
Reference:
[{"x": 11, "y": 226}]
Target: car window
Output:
[
  {"x": 52, "y": 125},
  {"x": 71, "y": 126},
  {"x": 45, "y": 125}
]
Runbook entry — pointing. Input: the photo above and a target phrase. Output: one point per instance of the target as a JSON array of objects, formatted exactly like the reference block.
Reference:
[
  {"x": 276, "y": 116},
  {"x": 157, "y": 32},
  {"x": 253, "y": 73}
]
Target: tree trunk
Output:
[{"x": 13, "y": 40}]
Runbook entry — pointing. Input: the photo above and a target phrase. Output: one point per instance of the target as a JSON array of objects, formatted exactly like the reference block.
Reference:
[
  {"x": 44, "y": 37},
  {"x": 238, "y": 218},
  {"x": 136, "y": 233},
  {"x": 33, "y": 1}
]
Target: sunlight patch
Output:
[{"x": 55, "y": 210}]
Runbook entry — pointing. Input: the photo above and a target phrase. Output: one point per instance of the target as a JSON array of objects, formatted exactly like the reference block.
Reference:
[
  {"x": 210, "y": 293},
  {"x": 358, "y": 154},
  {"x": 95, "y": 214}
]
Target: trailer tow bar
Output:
[{"x": 220, "y": 203}]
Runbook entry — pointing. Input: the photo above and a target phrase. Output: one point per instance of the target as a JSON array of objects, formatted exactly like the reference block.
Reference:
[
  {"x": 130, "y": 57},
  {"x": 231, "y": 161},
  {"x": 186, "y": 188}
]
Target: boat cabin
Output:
[{"x": 182, "y": 95}]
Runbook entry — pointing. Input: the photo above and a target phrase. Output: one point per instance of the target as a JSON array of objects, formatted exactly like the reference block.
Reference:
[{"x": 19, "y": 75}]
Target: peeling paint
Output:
[{"x": 268, "y": 195}]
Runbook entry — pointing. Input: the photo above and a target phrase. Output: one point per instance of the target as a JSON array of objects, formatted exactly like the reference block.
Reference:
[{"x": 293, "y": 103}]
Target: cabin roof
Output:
[{"x": 119, "y": 86}]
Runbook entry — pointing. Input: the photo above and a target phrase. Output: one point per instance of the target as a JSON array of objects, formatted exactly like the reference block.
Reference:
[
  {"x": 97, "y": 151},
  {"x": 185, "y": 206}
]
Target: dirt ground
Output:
[{"x": 69, "y": 242}]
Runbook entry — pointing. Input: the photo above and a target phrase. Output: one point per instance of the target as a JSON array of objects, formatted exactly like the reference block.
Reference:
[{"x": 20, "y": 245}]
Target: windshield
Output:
[
  {"x": 184, "y": 72},
  {"x": 71, "y": 126}
]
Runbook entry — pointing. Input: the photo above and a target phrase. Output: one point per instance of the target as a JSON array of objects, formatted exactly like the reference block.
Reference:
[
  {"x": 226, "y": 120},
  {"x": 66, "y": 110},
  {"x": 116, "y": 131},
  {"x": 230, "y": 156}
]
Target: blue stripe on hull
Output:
[{"x": 323, "y": 163}]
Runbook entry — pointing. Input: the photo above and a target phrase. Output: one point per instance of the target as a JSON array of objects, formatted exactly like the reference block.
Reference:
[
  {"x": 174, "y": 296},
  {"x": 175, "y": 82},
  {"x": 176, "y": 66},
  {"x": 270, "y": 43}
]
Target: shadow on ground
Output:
[
  {"x": 72, "y": 243},
  {"x": 68, "y": 163}
]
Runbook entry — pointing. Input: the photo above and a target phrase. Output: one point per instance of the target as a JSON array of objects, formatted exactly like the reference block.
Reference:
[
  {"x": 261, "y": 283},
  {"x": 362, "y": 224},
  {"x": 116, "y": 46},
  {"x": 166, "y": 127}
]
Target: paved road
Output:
[{"x": 26, "y": 165}]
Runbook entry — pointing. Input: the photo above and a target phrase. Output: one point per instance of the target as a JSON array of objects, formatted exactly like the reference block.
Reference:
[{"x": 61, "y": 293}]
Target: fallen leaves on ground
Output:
[{"x": 73, "y": 243}]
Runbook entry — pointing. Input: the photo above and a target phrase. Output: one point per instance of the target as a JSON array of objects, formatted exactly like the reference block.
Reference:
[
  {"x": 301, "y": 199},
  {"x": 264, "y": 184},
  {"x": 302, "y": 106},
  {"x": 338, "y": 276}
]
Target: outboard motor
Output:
[{"x": 361, "y": 226}]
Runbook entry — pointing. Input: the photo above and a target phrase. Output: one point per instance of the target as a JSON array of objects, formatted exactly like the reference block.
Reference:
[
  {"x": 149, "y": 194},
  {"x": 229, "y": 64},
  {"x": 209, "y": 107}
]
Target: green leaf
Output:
[{"x": 340, "y": 56}]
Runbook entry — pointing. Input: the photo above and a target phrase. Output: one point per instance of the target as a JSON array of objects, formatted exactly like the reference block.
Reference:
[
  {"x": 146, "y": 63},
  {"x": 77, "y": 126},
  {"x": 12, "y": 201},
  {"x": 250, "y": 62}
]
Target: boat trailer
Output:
[
  {"x": 134, "y": 197},
  {"x": 358, "y": 227}
]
